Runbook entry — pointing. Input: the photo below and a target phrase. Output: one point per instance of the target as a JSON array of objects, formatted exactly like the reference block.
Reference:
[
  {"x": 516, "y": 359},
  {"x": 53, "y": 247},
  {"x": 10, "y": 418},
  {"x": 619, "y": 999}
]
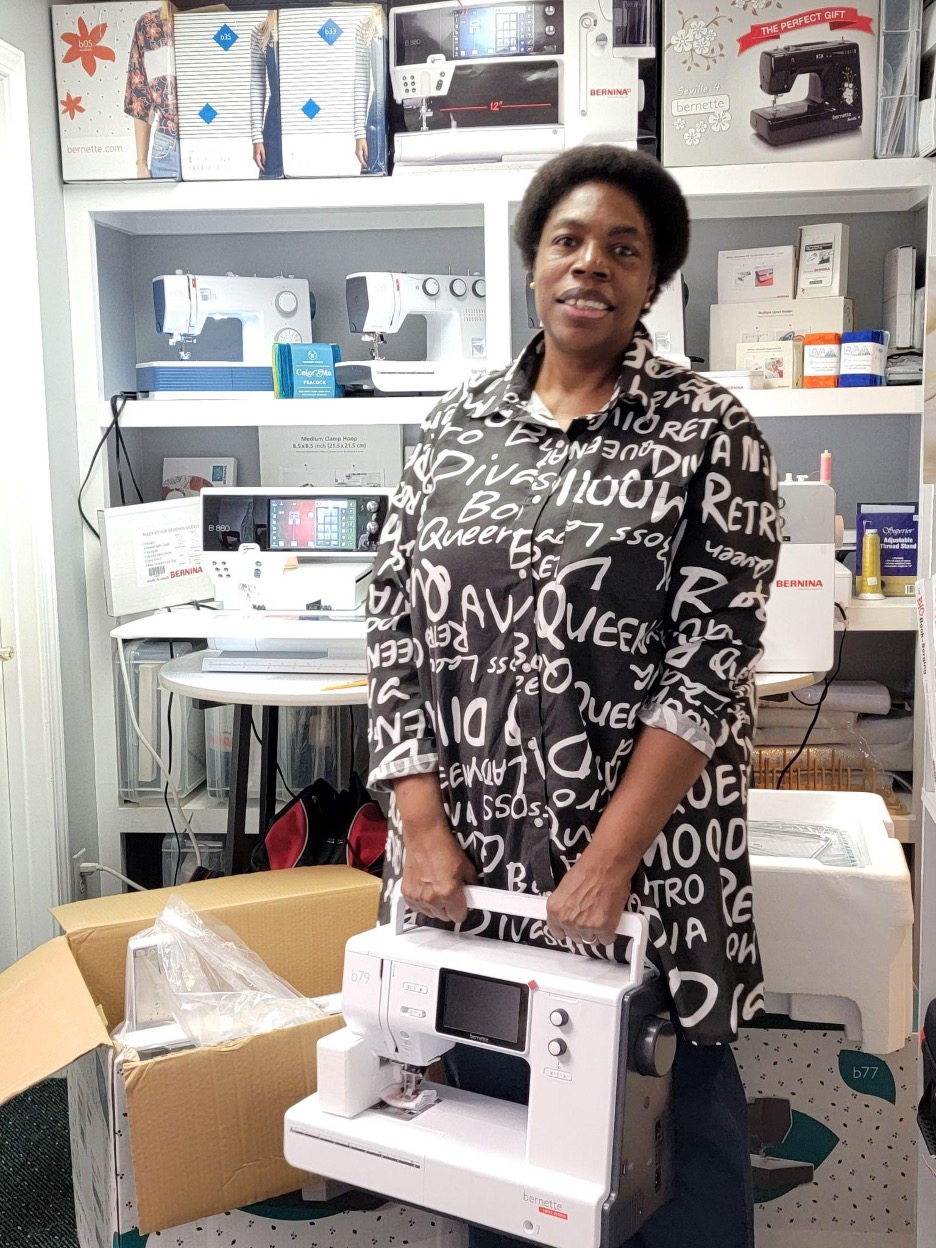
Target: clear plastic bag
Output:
[{"x": 217, "y": 988}]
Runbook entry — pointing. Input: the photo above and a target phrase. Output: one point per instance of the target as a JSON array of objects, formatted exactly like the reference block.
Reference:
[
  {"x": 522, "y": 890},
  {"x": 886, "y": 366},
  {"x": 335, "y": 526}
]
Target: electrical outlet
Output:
[{"x": 79, "y": 882}]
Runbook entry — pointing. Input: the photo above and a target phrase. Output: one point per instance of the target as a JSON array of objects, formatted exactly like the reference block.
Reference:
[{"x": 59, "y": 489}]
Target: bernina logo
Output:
[
  {"x": 610, "y": 91},
  {"x": 799, "y": 584}
]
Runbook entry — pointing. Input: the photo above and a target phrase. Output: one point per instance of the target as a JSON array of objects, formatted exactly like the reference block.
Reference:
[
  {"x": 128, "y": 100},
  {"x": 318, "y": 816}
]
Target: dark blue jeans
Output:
[{"x": 712, "y": 1206}]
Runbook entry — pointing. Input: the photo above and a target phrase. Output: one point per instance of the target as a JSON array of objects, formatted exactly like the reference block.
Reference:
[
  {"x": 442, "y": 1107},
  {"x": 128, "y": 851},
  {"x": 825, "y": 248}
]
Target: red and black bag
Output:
[
  {"x": 321, "y": 827},
  {"x": 926, "y": 1115}
]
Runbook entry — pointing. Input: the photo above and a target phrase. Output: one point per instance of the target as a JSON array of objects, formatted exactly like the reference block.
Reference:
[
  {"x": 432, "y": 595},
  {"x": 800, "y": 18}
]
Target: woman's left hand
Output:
[{"x": 588, "y": 902}]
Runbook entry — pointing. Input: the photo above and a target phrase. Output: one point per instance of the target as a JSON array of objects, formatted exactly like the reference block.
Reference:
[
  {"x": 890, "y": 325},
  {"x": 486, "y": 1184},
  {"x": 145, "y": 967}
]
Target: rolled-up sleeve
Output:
[
  {"x": 399, "y": 727},
  {"x": 723, "y": 567}
]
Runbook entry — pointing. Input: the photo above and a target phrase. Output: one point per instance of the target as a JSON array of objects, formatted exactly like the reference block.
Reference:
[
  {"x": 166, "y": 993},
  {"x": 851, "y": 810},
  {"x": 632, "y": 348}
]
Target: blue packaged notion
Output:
[
  {"x": 306, "y": 370},
  {"x": 863, "y": 360}
]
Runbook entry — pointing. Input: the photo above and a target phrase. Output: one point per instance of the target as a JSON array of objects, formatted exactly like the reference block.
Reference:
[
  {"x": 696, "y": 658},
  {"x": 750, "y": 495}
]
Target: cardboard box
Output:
[
  {"x": 899, "y": 272},
  {"x": 779, "y": 363},
  {"x": 334, "y": 90},
  {"x": 752, "y": 275},
  {"x": 115, "y": 80},
  {"x": 723, "y": 63},
  {"x": 772, "y": 321},
  {"x": 227, "y": 79},
  {"x": 898, "y": 527},
  {"x": 822, "y": 268},
  {"x": 898, "y": 319},
  {"x": 853, "y": 1118},
  {"x": 205, "y": 1125}
]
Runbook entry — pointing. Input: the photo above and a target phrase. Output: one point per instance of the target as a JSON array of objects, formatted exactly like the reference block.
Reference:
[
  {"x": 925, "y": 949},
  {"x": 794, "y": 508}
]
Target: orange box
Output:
[{"x": 822, "y": 354}]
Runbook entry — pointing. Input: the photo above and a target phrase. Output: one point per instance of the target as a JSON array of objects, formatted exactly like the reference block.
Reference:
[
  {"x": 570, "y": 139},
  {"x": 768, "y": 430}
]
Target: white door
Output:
[{"x": 33, "y": 834}]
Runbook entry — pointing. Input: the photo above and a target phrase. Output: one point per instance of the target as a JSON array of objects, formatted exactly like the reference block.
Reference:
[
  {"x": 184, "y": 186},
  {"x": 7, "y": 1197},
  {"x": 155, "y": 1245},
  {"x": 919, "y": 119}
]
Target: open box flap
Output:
[{"x": 47, "y": 1017}]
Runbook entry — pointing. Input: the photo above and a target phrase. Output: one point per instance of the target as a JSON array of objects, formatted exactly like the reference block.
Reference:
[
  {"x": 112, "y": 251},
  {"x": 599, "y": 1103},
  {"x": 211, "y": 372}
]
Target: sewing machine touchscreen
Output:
[
  {"x": 475, "y": 1007},
  {"x": 479, "y": 32},
  {"x": 320, "y": 524},
  {"x": 494, "y": 30}
]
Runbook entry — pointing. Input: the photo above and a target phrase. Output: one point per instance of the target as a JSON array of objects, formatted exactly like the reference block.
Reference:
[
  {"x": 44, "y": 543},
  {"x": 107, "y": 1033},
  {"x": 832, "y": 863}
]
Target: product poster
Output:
[{"x": 764, "y": 81}]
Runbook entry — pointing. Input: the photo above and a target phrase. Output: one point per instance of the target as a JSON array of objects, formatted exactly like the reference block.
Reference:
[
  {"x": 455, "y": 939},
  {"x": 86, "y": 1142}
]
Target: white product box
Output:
[
  {"x": 752, "y": 275},
  {"x": 898, "y": 320},
  {"x": 185, "y": 478},
  {"x": 772, "y": 321},
  {"x": 822, "y": 266},
  {"x": 738, "y": 379},
  {"x": 724, "y": 64},
  {"x": 223, "y": 65},
  {"x": 919, "y": 318},
  {"x": 899, "y": 272},
  {"x": 115, "y": 80},
  {"x": 779, "y": 363},
  {"x": 345, "y": 455}
]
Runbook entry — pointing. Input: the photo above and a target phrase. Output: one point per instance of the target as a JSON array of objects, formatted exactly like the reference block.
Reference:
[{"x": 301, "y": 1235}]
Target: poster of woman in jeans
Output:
[
  {"x": 150, "y": 95},
  {"x": 265, "y": 113}
]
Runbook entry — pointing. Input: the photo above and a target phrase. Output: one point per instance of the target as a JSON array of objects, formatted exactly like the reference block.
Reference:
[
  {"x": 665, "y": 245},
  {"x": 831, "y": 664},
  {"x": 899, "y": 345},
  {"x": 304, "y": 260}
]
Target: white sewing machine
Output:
[
  {"x": 291, "y": 571},
  {"x": 453, "y": 307},
  {"x": 270, "y": 309},
  {"x": 800, "y": 631},
  {"x": 521, "y": 81},
  {"x": 582, "y": 1166}
]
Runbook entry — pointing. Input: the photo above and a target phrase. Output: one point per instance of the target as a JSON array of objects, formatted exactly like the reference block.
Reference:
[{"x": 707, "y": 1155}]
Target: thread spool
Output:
[{"x": 869, "y": 585}]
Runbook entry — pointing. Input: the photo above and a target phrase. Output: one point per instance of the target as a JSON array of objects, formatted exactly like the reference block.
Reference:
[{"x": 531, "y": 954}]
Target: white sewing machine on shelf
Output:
[
  {"x": 522, "y": 81},
  {"x": 453, "y": 307},
  {"x": 582, "y": 1166},
  {"x": 270, "y": 309}
]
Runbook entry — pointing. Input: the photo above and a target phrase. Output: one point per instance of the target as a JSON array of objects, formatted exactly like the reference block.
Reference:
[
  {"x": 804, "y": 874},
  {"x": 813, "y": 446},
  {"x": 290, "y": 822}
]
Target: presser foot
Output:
[{"x": 409, "y": 1095}]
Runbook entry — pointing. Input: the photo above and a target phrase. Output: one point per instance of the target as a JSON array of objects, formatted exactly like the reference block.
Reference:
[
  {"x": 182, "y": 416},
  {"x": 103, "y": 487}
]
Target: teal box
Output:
[{"x": 306, "y": 370}]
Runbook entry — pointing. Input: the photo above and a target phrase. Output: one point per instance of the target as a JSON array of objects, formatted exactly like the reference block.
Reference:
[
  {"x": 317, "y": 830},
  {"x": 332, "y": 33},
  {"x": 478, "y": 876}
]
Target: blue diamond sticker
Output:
[
  {"x": 331, "y": 32},
  {"x": 310, "y": 108},
  {"x": 224, "y": 37},
  {"x": 207, "y": 114}
]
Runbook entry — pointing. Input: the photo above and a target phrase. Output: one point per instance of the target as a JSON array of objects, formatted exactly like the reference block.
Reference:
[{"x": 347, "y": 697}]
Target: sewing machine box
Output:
[
  {"x": 898, "y": 527},
  {"x": 772, "y": 321},
  {"x": 334, "y": 455},
  {"x": 227, "y": 81},
  {"x": 203, "y": 1132},
  {"x": 758, "y": 82},
  {"x": 115, "y": 80},
  {"x": 754, "y": 274},
  {"x": 333, "y": 80},
  {"x": 840, "y": 1172}
]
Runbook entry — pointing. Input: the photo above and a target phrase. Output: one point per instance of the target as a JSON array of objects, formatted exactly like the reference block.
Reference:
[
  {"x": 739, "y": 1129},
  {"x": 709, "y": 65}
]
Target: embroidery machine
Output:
[
  {"x": 270, "y": 309},
  {"x": 582, "y": 1166},
  {"x": 833, "y": 101},
  {"x": 453, "y": 307},
  {"x": 291, "y": 571},
  {"x": 521, "y": 81}
]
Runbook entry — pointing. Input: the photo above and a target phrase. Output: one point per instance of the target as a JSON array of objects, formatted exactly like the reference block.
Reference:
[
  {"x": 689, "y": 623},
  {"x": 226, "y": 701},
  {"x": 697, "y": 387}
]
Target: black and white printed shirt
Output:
[{"x": 539, "y": 594}]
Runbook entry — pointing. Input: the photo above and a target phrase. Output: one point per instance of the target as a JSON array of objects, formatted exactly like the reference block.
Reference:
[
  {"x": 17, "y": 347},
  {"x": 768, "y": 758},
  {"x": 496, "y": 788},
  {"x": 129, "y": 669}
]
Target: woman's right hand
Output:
[
  {"x": 259, "y": 156},
  {"x": 435, "y": 872}
]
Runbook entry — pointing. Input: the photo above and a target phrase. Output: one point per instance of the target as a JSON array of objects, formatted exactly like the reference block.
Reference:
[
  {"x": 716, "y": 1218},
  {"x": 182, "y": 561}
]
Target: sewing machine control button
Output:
[
  {"x": 558, "y": 1018},
  {"x": 458, "y": 287},
  {"x": 286, "y": 302},
  {"x": 553, "y": 1072},
  {"x": 550, "y": 30},
  {"x": 409, "y": 986},
  {"x": 655, "y": 1049},
  {"x": 478, "y": 288},
  {"x": 411, "y": 1013},
  {"x": 431, "y": 286},
  {"x": 440, "y": 84},
  {"x": 557, "y": 1047}
]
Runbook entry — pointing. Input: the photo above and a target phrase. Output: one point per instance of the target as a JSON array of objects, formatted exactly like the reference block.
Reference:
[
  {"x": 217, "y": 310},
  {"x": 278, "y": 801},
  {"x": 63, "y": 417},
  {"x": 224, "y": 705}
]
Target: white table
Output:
[
  {"x": 244, "y": 691},
  {"x": 771, "y": 683}
]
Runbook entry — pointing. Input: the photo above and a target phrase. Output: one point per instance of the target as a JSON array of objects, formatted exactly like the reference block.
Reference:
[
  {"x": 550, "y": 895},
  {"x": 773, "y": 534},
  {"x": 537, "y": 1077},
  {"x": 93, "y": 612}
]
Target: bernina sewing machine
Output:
[
  {"x": 270, "y": 309},
  {"x": 291, "y": 571},
  {"x": 800, "y": 631},
  {"x": 833, "y": 100},
  {"x": 453, "y": 307},
  {"x": 521, "y": 81},
  {"x": 582, "y": 1166}
]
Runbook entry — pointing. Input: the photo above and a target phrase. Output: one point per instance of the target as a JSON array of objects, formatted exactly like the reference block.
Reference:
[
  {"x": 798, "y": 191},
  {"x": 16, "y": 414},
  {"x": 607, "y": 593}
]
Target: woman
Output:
[
  {"x": 564, "y": 622},
  {"x": 265, "y": 120},
  {"x": 150, "y": 96},
  {"x": 370, "y": 99}
]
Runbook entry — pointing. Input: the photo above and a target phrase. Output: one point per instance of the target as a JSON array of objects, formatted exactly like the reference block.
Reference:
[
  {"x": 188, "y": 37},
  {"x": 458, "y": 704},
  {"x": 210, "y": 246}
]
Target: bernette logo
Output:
[
  {"x": 610, "y": 91},
  {"x": 800, "y": 584}
]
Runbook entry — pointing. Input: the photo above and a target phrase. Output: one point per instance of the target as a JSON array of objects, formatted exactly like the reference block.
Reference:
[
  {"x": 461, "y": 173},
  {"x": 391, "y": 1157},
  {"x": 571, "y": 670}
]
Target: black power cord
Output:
[
  {"x": 279, "y": 770},
  {"x": 117, "y": 404},
  {"x": 826, "y": 685}
]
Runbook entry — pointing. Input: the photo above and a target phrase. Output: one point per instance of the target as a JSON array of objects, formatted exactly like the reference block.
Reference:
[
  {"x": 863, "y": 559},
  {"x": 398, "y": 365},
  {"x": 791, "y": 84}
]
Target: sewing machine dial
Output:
[
  {"x": 288, "y": 335},
  {"x": 286, "y": 302}
]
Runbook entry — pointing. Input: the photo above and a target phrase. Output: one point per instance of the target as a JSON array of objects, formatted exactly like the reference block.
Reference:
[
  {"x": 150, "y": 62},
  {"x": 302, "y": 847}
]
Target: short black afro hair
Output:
[{"x": 655, "y": 191}]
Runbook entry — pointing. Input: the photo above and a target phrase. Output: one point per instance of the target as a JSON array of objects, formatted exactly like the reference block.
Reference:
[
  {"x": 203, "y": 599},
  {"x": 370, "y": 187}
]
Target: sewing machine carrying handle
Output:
[{"x": 533, "y": 906}]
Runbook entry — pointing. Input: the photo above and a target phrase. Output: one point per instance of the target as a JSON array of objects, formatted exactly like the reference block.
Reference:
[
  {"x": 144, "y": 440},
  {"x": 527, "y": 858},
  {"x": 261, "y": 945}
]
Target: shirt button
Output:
[
  {"x": 537, "y": 823},
  {"x": 537, "y": 498},
  {"x": 532, "y": 743}
]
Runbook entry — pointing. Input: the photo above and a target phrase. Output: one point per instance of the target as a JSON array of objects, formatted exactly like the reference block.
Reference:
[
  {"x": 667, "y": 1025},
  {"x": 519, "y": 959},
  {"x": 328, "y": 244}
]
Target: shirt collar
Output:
[{"x": 510, "y": 390}]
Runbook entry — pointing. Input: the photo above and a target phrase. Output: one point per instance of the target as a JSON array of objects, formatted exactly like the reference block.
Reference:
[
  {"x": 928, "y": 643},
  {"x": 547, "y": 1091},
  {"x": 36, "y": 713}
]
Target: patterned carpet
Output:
[{"x": 37, "y": 1209}]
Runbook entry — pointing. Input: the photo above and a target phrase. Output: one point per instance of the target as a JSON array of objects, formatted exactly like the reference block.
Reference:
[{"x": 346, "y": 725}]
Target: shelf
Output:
[
  {"x": 893, "y": 615},
  {"x": 224, "y": 412},
  {"x": 849, "y": 401},
  {"x": 453, "y": 197}
]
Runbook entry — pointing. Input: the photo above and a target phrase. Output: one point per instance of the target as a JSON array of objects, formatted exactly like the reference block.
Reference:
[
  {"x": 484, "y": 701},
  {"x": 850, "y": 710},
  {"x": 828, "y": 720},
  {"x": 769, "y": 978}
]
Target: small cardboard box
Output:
[
  {"x": 115, "y": 79},
  {"x": 754, "y": 274},
  {"x": 772, "y": 321},
  {"x": 822, "y": 270},
  {"x": 779, "y": 363},
  {"x": 205, "y": 1125}
]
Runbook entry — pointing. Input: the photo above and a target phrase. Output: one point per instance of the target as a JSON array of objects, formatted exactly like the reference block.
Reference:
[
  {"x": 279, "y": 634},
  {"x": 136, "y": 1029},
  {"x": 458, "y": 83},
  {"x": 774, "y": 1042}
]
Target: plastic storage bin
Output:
[
  {"x": 898, "y": 77},
  {"x": 210, "y": 847},
  {"x": 307, "y": 749},
  {"x": 141, "y": 780}
]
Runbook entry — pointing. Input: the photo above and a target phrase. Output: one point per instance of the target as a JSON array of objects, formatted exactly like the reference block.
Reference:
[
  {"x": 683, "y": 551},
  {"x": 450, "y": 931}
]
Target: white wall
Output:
[{"x": 27, "y": 26}]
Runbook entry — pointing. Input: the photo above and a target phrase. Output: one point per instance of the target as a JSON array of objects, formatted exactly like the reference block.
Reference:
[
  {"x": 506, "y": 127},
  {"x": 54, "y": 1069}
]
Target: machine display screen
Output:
[
  {"x": 475, "y": 1007},
  {"x": 478, "y": 31},
  {"x": 494, "y": 30},
  {"x": 321, "y": 524}
]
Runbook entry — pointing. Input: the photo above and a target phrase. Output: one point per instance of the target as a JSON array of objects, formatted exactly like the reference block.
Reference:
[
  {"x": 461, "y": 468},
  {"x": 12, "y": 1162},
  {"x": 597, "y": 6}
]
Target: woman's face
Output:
[{"x": 594, "y": 270}]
